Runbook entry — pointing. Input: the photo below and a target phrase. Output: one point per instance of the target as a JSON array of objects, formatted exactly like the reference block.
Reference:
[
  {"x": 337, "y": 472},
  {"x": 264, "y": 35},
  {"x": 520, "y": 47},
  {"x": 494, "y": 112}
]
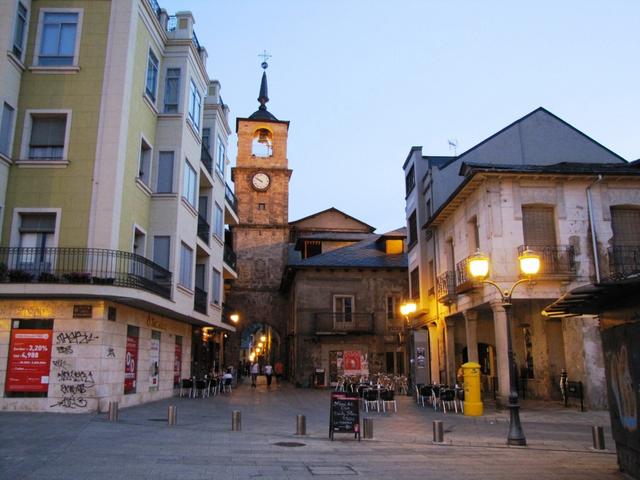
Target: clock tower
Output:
[{"x": 260, "y": 240}]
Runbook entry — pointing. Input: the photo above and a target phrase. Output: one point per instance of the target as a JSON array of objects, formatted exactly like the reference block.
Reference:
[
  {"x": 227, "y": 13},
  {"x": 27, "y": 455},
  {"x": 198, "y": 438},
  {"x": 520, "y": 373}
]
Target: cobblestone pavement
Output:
[{"x": 201, "y": 445}]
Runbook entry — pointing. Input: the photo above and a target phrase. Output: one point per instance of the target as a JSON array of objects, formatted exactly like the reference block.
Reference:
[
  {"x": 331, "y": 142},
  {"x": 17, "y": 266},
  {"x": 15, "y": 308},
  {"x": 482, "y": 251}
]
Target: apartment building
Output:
[
  {"x": 113, "y": 173},
  {"x": 541, "y": 185}
]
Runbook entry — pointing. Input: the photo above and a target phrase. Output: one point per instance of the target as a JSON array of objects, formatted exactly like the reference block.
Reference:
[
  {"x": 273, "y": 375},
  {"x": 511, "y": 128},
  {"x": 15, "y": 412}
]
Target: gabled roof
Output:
[
  {"x": 332, "y": 210},
  {"x": 561, "y": 168}
]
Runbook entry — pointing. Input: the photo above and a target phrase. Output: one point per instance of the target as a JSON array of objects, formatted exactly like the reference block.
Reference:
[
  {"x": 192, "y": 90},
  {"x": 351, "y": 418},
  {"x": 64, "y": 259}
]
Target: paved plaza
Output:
[{"x": 202, "y": 446}]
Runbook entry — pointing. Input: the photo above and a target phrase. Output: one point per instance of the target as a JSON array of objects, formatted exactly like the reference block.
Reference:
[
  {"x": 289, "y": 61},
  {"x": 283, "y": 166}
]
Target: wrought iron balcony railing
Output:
[
  {"x": 624, "y": 260},
  {"x": 231, "y": 198},
  {"x": 446, "y": 287},
  {"x": 205, "y": 158},
  {"x": 463, "y": 280},
  {"x": 204, "y": 229},
  {"x": 555, "y": 260},
  {"x": 341, "y": 323},
  {"x": 84, "y": 265},
  {"x": 229, "y": 257},
  {"x": 200, "y": 301}
]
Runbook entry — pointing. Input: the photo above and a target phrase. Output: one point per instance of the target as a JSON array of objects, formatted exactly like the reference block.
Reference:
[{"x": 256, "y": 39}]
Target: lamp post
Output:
[{"x": 479, "y": 269}]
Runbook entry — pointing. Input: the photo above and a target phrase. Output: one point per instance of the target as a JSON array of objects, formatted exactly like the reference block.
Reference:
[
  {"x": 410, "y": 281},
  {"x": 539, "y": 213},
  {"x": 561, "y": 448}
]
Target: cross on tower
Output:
[{"x": 265, "y": 56}]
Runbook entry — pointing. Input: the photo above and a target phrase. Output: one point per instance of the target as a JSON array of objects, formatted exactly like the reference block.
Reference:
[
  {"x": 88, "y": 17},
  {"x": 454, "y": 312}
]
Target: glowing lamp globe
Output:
[
  {"x": 479, "y": 266},
  {"x": 263, "y": 338},
  {"x": 407, "y": 308},
  {"x": 234, "y": 317},
  {"x": 529, "y": 262}
]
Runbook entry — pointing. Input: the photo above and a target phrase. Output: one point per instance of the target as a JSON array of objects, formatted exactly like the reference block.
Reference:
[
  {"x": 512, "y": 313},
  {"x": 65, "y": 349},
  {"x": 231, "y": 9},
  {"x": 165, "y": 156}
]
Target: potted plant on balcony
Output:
[
  {"x": 78, "y": 277},
  {"x": 46, "y": 277},
  {"x": 19, "y": 276}
]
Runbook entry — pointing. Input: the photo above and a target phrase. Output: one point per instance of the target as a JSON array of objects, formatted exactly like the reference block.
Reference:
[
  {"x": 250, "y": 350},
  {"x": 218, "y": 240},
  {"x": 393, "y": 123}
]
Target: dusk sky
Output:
[{"x": 361, "y": 81}]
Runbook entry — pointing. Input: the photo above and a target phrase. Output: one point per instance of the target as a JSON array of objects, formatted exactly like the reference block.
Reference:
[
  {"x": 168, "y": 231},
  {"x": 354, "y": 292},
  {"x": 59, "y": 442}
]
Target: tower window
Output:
[
  {"x": 262, "y": 206},
  {"x": 262, "y": 145}
]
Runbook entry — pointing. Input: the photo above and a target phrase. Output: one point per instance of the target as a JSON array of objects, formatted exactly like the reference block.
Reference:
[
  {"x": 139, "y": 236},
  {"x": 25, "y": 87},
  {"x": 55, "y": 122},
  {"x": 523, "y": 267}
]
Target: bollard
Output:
[
  {"x": 598, "y": 437},
  {"x": 172, "y": 416},
  {"x": 113, "y": 412},
  {"x": 236, "y": 421},
  {"x": 301, "y": 425},
  {"x": 367, "y": 426},
  {"x": 438, "y": 432}
]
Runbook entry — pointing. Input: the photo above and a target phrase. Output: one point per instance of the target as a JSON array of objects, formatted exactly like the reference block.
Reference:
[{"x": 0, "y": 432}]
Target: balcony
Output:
[
  {"x": 204, "y": 229},
  {"x": 231, "y": 199},
  {"x": 624, "y": 260},
  {"x": 229, "y": 257},
  {"x": 331, "y": 323},
  {"x": 207, "y": 161},
  {"x": 446, "y": 287},
  {"x": 464, "y": 282},
  {"x": 84, "y": 266},
  {"x": 200, "y": 301},
  {"x": 555, "y": 260}
]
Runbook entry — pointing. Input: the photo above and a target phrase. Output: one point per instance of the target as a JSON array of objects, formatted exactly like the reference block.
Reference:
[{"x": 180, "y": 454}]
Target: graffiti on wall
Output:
[
  {"x": 76, "y": 337},
  {"x": 622, "y": 388},
  {"x": 74, "y": 386}
]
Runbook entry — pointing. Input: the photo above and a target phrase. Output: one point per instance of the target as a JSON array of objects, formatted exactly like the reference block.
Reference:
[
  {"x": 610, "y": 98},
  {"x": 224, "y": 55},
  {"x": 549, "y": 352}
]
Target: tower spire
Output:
[{"x": 263, "y": 97}]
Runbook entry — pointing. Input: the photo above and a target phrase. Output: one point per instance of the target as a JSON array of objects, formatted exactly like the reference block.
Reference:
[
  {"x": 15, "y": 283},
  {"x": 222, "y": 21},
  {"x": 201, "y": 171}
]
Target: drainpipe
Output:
[{"x": 596, "y": 262}]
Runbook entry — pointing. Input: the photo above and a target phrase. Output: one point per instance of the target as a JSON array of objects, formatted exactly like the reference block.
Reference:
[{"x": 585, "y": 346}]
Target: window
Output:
[
  {"x": 18, "y": 34},
  {"x": 625, "y": 223},
  {"x": 144, "y": 166},
  {"x": 220, "y": 157},
  {"x": 47, "y": 138},
  {"x": 415, "y": 283},
  {"x": 164, "y": 183},
  {"x": 219, "y": 223},
  {"x": 538, "y": 226},
  {"x": 139, "y": 242},
  {"x": 410, "y": 181},
  {"x": 413, "y": 229},
  {"x": 428, "y": 212},
  {"x": 216, "y": 287},
  {"x": 343, "y": 306},
  {"x": 162, "y": 250},
  {"x": 58, "y": 38},
  {"x": 206, "y": 138},
  {"x": 186, "y": 266},
  {"x": 262, "y": 143},
  {"x": 151, "y": 86},
  {"x": 195, "y": 105},
  {"x": 393, "y": 307},
  {"x": 190, "y": 184},
  {"x": 6, "y": 127},
  {"x": 262, "y": 206},
  {"x": 172, "y": 90},
  {"x": 37, "y": 232},
  {"x": 473, "y": 235},
  {"x": 430, "y": 278}
]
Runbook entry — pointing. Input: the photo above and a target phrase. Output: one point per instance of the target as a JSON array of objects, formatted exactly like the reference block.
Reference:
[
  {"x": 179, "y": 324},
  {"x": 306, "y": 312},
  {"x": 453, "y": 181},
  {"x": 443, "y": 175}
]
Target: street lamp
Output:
[
  {"x": 234, "y": 317},
  {"x": 529, "y": 263}
]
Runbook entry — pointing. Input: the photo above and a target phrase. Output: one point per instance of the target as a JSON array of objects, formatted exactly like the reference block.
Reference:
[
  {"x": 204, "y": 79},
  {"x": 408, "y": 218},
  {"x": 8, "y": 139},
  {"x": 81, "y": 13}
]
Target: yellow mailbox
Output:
[{"x": 472, "y": 399}]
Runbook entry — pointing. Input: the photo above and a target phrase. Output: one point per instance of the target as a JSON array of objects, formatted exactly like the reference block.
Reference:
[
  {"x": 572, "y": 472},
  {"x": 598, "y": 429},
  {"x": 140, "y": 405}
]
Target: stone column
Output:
[
  {"x": 471, "y": 328},
  {"x": 502, "y": 352},
  {"x": 450, "y": 346}
]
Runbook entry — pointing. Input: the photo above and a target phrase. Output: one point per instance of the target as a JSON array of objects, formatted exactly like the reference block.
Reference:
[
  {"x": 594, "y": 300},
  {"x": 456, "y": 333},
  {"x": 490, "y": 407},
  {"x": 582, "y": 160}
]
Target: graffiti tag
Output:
[
  {"x": 60, "y": 363},
  {"x": 76, "y": 337},
  {"x": 66, "y": 350},
  {"x": 111, "y": 353},
  {"x": 76, "y": 376}
]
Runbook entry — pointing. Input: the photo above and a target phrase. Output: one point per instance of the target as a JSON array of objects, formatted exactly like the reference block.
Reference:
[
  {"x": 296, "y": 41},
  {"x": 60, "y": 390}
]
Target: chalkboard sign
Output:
[{"x": 345, "y": 414}]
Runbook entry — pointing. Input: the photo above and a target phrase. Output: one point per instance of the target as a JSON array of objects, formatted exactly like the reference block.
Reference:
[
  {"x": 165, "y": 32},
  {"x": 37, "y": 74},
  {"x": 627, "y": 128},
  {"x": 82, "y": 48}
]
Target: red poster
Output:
[
  {"x": 352, "y": 362},
  {"x": 130, "y": 365},
  {"x": 29, "y": 360},
  {"x": 177, "y": 365}
]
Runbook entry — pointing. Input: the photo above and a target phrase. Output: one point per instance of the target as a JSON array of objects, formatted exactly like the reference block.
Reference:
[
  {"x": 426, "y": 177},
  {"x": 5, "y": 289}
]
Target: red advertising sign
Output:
[
  {"x": 352, "y": 362},
  {"x": 177, "y": 364},
  {"x": 29, "y": 360},
  {"x": 131, "y": 365}
]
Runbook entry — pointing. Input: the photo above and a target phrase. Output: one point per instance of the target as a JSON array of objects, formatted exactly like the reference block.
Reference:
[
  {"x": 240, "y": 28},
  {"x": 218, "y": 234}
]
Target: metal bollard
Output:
[
  {"x": 367, "y": 427},
  {"x": 301, "y": 425},
  {"x": 598, "y": 437},
  {"x": 113, "y": 412},
  {"x": 438, "y": 431},
  {"x": 236, "y": 421},
  {"x": 172, "y": 416}
]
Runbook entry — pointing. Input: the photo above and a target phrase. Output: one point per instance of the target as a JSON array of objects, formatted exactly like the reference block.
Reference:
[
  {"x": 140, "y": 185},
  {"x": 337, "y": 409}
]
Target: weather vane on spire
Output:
[{"x": 265, "y": 56}]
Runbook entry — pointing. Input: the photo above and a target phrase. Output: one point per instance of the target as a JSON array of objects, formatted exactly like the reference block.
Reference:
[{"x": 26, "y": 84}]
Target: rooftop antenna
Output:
[
  {"x": 265, "y": 56},
  {"x": 453, "y": 145}
]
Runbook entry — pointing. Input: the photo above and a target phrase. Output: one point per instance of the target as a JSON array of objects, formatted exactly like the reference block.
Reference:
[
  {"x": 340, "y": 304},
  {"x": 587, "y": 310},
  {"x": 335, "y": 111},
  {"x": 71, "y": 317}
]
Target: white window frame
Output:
[
  {"x": 157, "y": 170},
  {"x": 36, "y": 50},
  {"x": 220, "y": 156},
  {"x": 338, "y": 297},
  {"x": 26, "y": 136},
  {"x": 396, "y": 301},
  {"x": 191, "y": 267},
  {"x": 216, "y": 296},
  {"x": 164, "y": 93},
  {"x": 153, "y": 99},
  {"x": 137, "y": 228},
  {"x": 14, "y": 237},
  {"x": 193, "y": 116},
  {"x": 153, "y": 248},
  {"x": 149, "y": 175},
  {"x": 185, "y": 194},
  {"x": 12, "y": 128},
  {"x": 218, "y": 226},
  {"x": 25, "y": 32}
]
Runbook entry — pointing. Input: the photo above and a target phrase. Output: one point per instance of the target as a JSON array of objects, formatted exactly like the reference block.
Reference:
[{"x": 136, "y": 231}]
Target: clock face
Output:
[{"x": 260, "y": 181}]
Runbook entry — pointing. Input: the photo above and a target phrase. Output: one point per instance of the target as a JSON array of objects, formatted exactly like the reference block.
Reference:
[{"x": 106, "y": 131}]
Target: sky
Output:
[{"x": 362, "y": 81}]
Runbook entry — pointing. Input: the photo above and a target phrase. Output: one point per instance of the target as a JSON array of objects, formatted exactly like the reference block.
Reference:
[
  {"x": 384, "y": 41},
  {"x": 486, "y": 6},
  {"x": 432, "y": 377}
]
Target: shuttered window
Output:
[
  {"x": 47, "y": 137},
  {"x": 538, "y": 225},
  {"x": 625, "y": 223}
]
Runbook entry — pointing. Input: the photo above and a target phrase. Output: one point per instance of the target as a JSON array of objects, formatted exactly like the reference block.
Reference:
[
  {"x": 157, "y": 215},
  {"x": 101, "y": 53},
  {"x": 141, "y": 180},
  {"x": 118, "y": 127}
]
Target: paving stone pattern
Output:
[{"x": 202, "y": 445}]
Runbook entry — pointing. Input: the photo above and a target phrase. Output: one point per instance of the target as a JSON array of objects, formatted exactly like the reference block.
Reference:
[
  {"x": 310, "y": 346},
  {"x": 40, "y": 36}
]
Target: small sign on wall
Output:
[{"x": 82, "y": 311}]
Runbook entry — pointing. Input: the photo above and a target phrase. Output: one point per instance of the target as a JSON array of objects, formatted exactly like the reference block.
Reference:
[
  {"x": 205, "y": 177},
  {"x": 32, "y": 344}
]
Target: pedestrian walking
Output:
[
  {"x": 268, "y": 371},
  {"x": 255, "y": 370},
  {"x": 279, "y": 369}
]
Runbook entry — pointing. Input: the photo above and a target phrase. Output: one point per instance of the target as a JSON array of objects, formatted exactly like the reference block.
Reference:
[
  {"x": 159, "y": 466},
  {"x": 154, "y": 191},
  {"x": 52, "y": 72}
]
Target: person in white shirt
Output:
[
  {"x": 255, "y": 370},
  {"x": 268, "y": 371}
]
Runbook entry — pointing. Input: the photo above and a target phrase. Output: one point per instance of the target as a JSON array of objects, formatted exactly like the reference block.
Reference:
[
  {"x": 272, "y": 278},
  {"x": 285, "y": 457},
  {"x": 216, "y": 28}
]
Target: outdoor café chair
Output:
[
  {"x": 186, "y": 386},
  {"x": 371, "y": 400},
  {"x": 388, "y": 397}
]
